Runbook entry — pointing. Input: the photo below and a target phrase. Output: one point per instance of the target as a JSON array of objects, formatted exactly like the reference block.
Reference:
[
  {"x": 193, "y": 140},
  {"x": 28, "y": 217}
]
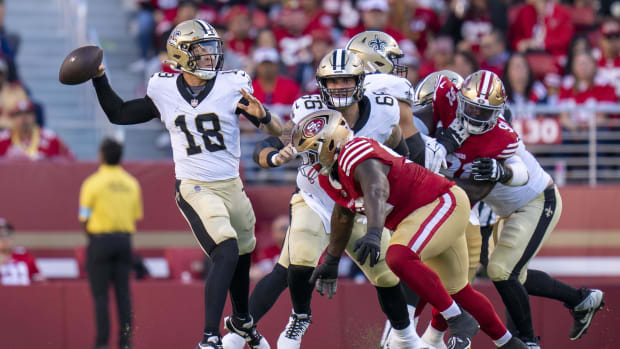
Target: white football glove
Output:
[{"x": 434, "y": 154}]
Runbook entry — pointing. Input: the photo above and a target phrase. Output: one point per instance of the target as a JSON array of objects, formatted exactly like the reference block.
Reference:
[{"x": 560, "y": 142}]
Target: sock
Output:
[
  {"x": 407, "y": 265},
  {"x": 267, "y": 291},
  {"x": 482, "y": 310},
  {"x": 240, "y": 287},
  {"x": 514, "y": 296},
  {"x": 224, "y": 257},
  {"x": 393, "y": 304},
  {"x": 411, "y": 297},
  {"x": 452, "y": 311},
  {"x": 438, "y": 322},
  {"x": 419, "y": 308},
  {"x": 503, "y": 340},
  {"x": 539, "y": 283},
  {"x": 300, "y": 288}
]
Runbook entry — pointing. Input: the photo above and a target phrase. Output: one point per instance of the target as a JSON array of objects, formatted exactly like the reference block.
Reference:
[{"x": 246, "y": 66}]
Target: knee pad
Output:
[
  {"x": 396, "y": 255},
  {"x": 386, "y": 278},
  {"x": 497, "y": 272},
  {"x": 305, "y": 255}
]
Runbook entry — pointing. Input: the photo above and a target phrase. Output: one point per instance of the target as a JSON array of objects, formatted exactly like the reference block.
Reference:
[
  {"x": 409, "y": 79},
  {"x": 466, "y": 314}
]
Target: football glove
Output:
[
  {"x": 369, "y": 246},
  {"x": 452, "y": 137},
  {"x": 486, "y": 169},
  {"x": 326, "y": 276},
  {"x": 434, "y": 154}
]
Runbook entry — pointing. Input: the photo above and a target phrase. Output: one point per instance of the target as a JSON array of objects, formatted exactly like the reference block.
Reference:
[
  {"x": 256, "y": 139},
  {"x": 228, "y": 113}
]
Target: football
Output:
[{"x": 80, "y": 65}]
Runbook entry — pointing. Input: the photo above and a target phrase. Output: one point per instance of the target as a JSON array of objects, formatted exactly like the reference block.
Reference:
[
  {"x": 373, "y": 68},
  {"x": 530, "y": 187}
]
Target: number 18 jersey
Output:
[{"x": 204, "y": 129}]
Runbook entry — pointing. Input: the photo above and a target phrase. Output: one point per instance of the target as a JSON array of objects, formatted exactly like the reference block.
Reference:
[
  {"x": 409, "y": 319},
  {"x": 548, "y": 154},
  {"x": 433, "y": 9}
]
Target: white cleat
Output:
[
  {"x": 406, "y": 338},
  {"x": 233, "y": 341},
  {"x": 297, "y": 325},
  {"x": 434, "y": 338}
]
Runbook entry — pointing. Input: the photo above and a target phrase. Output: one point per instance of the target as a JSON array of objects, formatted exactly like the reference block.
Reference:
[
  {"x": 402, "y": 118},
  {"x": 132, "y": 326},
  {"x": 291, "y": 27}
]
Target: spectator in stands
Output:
[
  {"x": 27, "y": 141},
  {"x": 266, "y": 258},
  {"x": 578, "y": 44},
  {"x": 582, "y": 88},
  {"x": 293, "y": 41},
  {"x": 440, "y": 55},
  {"x": 17, "y": 266},
  {"x": 266, "y": 38},
  {"x": 464, "y": 63},
  {"x": 9, "y": 42},
  {"x": 521, "y": 86},
  {"x": 275, "y": 91},
  {"x": 239, "y": 24},
  {"x": 470, "y": 20},
  {"x": 187, "y": 9},
  {"x": 318, "y": 18},
  {"x": 493, "y": 52},
  {"x": 422, "y": 24},
  {"x": 609, "y": 54},
  {"x": 306, "y": 73},
  {"x": 145, "y": 32},
  {"x": 110, "y": 205},
  {"x": 542, "y": 25},
  {"x": 376, "y": 16},
  {"x": 10, "y": 94}
]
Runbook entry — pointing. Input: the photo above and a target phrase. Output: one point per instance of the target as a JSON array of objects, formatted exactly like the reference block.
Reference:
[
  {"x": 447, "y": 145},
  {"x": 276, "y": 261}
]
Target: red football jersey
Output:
[
  {"x": 411, "y": 185},
  {"x": 500, "y": 142},
  {"x": 19, "y": 269},
  {"x": 445, "y": 101}
]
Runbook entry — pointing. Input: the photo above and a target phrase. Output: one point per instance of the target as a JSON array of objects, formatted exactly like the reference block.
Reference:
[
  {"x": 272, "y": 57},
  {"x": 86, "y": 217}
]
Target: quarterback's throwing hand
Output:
[
  {"x": 254, "y": 107},
  {"x": 326, "y": 276}
]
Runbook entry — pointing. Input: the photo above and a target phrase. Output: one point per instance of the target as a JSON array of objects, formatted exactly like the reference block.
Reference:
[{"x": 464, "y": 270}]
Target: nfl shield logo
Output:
[{"x": 194, "y": 103}]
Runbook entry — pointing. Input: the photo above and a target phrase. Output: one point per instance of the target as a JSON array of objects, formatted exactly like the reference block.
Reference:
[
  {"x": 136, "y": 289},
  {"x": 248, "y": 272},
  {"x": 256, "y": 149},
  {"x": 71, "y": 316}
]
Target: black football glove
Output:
[
  {"x": 369, "y": 245},
  {"x": 326, "y": 276},
  {"x": 453, "y": 136},
  {"x": 486, "y": 169}
]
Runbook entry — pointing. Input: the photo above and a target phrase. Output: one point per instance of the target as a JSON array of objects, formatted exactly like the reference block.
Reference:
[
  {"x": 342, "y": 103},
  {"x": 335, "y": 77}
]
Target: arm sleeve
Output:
[
  {"x": 120, "y": 112},
  {"x": 416, "y": 147},
  {"x": 269, "y": 142},
  {"x": 402, "y": 148}
]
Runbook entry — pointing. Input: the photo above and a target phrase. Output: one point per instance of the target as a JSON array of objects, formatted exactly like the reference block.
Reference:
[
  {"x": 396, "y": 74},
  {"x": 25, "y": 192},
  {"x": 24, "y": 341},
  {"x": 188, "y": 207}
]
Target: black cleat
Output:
[
  {"x": 514, "y": 343},
  {"x": 584, "y": 312},
  {"x": 247, "y": 330},
  {"x": 462, "y": 328}
]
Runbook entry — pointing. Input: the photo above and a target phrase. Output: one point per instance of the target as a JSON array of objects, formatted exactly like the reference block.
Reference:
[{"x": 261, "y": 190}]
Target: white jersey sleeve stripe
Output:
[
  {"x": 351, "y": 146},
  {"x": 356, "y": 159},
  {"x": 350, "y": 154}
]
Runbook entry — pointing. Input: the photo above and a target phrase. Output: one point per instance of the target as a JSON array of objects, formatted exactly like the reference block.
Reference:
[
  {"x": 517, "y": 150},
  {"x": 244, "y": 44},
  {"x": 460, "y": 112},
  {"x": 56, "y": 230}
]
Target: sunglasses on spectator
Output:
[{"x": 612, "y": 36}]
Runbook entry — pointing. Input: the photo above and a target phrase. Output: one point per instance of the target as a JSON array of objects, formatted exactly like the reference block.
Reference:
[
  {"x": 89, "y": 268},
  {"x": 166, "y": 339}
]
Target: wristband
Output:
[
  {"x": 271, "y": 156},
  {"x": 267, "y": 118}
]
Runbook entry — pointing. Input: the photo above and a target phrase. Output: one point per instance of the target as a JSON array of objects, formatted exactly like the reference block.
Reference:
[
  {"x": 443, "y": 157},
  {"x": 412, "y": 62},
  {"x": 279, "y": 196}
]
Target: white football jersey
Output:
[
  {"x": 504, "y": 199},
  {"x": 390, "y": 84},
  {"x": 204, "y": 131},
  {"x": 379, "y": 113}
]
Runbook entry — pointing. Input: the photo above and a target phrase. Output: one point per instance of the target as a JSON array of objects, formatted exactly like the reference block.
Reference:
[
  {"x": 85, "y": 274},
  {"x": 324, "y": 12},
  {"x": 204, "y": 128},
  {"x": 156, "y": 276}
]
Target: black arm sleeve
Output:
[
  {"x": 253, "y": 119},
  {"x": 269, "y": 142},
  {"x": 119, "y": 112},
  {"x": 402, "y": 148},
  {"x": 416, "y": 148}
]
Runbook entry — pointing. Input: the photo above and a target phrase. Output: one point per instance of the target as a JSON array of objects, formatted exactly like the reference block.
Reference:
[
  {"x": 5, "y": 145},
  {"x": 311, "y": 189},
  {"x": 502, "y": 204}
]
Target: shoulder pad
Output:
[
  {"x": 305, "y": 105},
  {"x": 396, "y": 86}
]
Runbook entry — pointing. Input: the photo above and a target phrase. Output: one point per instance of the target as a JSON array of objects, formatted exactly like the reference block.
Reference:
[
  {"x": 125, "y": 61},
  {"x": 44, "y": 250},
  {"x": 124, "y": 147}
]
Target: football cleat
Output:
[
  {"x": 297, "y": 325},
  {"x": 247, "y": 331},
  {"x": 514, "y": 343},
  {"x": 406, "y": 338},
  {"x": 211, "y": 342},
  {"x": 434, "y": 338},
  {"x": 584, "y": 312},
  {"x": 462, "y": 329},
  {"x": 233, "y": 341}
]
